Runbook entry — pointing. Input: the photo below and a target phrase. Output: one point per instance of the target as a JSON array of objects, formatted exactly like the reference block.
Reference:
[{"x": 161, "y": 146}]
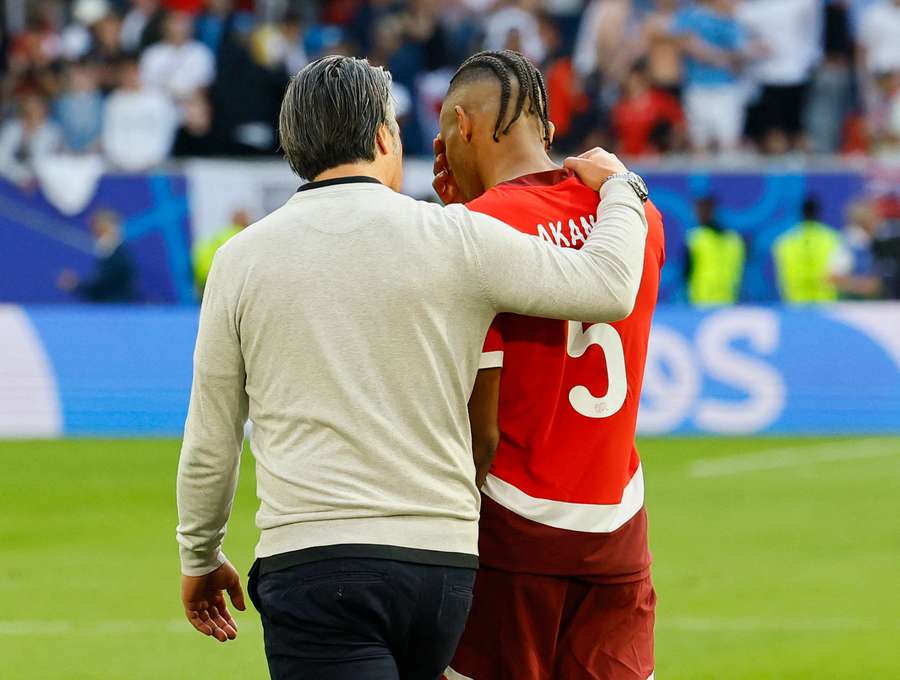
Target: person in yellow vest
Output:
[
  {"x": 203, "y": 251},
  {"x": 716, "y": 259},
  {"x": 805, "y": 259}
]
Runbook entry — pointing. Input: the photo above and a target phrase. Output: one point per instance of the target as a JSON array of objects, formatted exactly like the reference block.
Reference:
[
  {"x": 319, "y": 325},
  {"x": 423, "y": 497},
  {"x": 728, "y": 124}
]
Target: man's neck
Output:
[
  {"x": 350, "y": 170},
  {"x": 508, "y": 165}
]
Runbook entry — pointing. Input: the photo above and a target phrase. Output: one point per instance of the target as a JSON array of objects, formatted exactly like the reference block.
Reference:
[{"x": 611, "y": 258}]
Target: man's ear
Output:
[
  {"x": 464, "y": 123},
  {"x": 384, "y": 140},
  {"x": 551, "y": 134}
]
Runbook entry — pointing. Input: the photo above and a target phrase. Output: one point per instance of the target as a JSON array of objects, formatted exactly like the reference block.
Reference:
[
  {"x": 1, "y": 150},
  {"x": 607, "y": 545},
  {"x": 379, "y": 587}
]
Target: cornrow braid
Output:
[
  {"x": 490, "y": 61},
  {"x": 505, "y": 64}
]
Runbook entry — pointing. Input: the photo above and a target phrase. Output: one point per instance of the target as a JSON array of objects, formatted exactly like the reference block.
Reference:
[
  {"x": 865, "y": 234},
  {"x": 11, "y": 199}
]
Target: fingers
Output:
[
  {"x": 576, "y": 164},
  {"x": 225, "y": 626},
  {"x": 211, "y": 623},
  {"x": 445, "y": 187},
  {"x": 594, "y": 166},
  {"x": 212, "y": 618},
  {"x": 200, "y": 621},
  {"x": 236, "y": 594}
]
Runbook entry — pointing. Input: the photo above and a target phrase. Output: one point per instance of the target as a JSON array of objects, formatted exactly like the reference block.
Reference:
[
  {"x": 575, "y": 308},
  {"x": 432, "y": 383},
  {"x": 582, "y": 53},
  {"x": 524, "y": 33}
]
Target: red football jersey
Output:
[{"x": 565, "y": 493}]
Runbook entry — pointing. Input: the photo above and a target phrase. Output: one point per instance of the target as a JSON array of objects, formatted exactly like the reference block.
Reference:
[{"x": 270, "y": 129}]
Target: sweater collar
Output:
[{"x": 353, "y": 179}]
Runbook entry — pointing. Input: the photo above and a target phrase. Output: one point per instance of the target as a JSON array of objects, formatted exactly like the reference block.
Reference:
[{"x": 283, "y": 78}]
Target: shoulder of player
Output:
[{"x": 490, "y": 201}]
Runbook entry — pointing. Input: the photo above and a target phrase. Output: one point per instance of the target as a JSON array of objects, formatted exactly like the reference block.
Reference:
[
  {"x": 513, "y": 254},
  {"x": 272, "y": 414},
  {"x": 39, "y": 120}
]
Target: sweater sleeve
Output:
[
  {"x": 526, "y": 275},
  {"x": 214, "y": 431}
]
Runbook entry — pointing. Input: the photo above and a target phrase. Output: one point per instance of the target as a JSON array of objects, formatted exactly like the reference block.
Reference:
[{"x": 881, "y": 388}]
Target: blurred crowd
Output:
[{"x": 139, "y": 81}]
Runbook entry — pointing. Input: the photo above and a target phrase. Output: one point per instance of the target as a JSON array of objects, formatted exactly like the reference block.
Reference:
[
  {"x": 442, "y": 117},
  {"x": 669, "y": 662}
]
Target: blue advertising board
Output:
[
  {"x": 759, "y": 206},
  {"x": 75, "y": 371},
  {"x": 37, "y": 241}
]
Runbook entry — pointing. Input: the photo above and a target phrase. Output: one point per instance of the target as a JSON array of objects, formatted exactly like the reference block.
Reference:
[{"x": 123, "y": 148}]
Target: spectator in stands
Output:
[
  {"x": 79, "y": 111},
  {"x": 830, "y": 99},
  {"x": 787, "y": 34},
  {"x": 608, "y": 42},
  {"x": 807, "y": 257},
  {"x": 138, "y": 123},
  {"x": 143, "y": 25},
  {"x": 878, "y": 60},
  {"x": 106, "y": 51},
  {"x": 245, "y": 117},
  {"x": 213, "y": 23},
  {"x": 884, "y": 116},
  {"x": 424, "y": 27},
  {"x": 293, "y": 52},
  {"x": 855, "y": 274},
  {"x": 646, "y": 120},
  {"x": 26, "y": 139},
  {"x": 32, "y": 54},
  {"x": 196, "y": 137},
  {"x": 77, "y": 38},
  {"x": 716, "y": 259},
  {"x": 514, "y": 25},
  {"x": 662, "y": 48},
  {"x": 204, "y": 251},
  {"x": 715, "y": 46},
  {"x": 879, "y": 38},
  {"x": 179, "y": 65},
  {"x": 564, "y": 89},
  {"x": 114, "y": 278}
]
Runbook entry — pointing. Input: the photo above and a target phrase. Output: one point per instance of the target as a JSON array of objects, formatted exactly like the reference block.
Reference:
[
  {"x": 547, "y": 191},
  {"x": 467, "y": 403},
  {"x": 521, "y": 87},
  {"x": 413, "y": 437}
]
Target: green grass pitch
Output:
[{"x": 774, "y": 559}]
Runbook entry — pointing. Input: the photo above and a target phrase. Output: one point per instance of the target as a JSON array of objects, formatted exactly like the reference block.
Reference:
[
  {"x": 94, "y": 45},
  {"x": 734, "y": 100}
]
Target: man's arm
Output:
[
  {"x": 210, "y": 455},
  {"x": 599, "y": 283},
  {"x": 483, "y": 406}
]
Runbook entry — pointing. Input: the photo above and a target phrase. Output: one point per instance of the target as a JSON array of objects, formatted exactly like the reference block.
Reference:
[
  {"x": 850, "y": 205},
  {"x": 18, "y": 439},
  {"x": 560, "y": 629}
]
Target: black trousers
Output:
[
  {"x": 780, "y": 107},
  {"x": 361, "y": 619}
]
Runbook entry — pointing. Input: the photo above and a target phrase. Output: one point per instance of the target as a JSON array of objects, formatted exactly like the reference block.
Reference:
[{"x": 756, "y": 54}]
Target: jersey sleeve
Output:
[
  {"x": 492, "y": 352},
  {"x": 526, "y": 275}
]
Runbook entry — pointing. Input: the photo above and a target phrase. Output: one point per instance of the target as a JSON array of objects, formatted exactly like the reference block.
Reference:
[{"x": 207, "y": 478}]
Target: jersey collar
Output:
[{"x": 354, "y": 179}]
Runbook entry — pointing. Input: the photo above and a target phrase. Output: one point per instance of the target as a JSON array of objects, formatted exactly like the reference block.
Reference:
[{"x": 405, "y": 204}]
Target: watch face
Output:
[{"x": 640, "y": 186}]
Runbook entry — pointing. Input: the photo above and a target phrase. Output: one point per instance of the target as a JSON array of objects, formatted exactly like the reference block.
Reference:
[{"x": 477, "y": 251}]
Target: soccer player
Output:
[{"x": 564, "y": 590}]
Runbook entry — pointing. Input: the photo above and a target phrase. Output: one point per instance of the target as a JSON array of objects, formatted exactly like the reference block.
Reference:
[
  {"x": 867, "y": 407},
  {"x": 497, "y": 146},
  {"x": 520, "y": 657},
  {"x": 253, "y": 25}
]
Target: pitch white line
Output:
[{"x": 794, "y": 456}]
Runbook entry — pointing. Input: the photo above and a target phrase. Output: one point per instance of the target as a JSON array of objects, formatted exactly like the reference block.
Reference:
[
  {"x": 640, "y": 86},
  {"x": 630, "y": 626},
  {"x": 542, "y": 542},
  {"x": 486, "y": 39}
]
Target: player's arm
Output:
[
  {"x": 210, "y": 456},
  {"x": 599, "y": 283},
  {"x": 483, "y": 406}
]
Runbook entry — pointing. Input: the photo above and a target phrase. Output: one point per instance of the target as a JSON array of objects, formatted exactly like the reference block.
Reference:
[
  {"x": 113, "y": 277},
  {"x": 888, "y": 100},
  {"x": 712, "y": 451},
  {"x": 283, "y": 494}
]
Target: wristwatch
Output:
[{"x": 636, "y": 182}]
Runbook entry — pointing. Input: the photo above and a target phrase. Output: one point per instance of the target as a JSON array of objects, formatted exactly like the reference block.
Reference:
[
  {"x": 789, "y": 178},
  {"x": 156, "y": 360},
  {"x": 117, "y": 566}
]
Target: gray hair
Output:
[{"x": 331, "y": 113}]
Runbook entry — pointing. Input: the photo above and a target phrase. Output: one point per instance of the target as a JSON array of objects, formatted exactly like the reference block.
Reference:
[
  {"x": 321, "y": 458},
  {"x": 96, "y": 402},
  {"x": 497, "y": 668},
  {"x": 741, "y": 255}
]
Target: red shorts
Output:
[{"x": 529, "y": 627}]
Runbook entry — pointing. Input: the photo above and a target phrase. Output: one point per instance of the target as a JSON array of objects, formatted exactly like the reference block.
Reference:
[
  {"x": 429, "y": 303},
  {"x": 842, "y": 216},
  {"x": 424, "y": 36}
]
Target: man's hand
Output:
[
  {"x": 594, "y": 167},
  {"x": 204, "y": 603},
  {"x": 444, "y": 183}
]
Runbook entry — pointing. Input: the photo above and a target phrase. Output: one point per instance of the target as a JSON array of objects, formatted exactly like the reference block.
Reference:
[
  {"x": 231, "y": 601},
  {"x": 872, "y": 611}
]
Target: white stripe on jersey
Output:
[{"x": 598, "y": 519}]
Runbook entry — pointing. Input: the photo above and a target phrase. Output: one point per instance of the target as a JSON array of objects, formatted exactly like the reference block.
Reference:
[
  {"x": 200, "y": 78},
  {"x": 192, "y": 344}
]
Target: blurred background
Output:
[{"x": 137, "y": 136}]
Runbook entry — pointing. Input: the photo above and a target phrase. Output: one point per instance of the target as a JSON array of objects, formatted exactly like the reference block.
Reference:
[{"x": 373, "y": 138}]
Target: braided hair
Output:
[{"x": 504, "y": 65}]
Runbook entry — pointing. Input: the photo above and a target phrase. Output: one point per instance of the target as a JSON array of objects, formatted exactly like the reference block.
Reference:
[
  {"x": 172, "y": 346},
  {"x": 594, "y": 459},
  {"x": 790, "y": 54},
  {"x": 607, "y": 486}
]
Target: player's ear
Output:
[
  {"x": 551, "y": 134},
  {"x": 384, "y": 140},
  {"x": 464, "y": 123}
]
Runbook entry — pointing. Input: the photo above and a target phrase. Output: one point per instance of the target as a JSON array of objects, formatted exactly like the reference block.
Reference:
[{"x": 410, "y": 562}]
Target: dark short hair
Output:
[
  {"x": 331, "y": 114},
  {"x": 811, "y": 208}
]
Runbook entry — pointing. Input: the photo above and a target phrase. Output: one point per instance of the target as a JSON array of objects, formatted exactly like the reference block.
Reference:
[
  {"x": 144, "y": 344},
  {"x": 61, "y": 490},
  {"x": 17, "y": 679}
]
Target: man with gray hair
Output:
[{"x": 347, "y": 326}]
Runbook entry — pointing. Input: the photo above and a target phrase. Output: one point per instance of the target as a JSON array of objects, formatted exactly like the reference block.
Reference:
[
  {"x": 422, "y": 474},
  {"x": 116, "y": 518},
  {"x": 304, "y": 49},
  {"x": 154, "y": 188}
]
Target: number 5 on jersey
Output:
[{"x": 608, "y": 339}]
